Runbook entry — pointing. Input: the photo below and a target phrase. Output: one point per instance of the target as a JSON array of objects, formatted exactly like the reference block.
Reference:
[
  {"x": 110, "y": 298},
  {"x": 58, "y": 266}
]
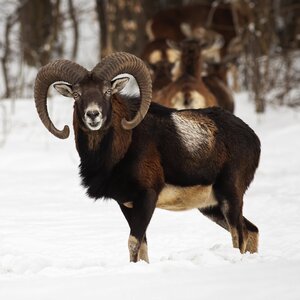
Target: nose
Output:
[{"x": 93, "y": 114}]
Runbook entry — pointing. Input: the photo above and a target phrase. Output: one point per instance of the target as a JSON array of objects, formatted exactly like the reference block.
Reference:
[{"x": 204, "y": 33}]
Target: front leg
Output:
[
  {"x": 127, "y": 212},
  {"x": 141, "y": 214}
]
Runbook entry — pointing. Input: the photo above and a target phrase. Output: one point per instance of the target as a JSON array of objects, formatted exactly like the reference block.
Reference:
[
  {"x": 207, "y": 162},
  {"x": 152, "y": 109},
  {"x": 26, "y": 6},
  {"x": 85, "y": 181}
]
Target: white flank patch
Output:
[{"x": 192, "y": 134}]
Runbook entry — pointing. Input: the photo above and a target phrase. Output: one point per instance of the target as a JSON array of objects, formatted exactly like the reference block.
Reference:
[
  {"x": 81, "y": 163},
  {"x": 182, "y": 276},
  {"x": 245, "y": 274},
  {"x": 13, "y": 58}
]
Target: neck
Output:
[
  {"x": 191, "y": 62},
  {"x": 100, "y": 151},
  {"x": 113, "y": 136}
]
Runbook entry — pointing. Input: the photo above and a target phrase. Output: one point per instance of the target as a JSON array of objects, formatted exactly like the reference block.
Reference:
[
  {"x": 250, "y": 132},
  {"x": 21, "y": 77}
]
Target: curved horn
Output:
[
  {"x": 122, "y": 62},
  {"x": 58, "y": 70}
]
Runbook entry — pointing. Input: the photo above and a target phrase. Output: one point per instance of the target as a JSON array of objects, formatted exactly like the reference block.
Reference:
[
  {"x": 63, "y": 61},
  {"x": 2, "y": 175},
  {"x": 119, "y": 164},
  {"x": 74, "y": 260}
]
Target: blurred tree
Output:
[
  {"x": 36, "y": 31},
  {"x": 270, "y": 42},
  {"x": 259, "y": 46},
  {"x": 73, "y": 18},
  {"x": 126, "y": 18},
  {"x": 104, "y": 40},
  {"x": 123, "y": 26},
  {"x": 10, "y": 21},
  {"x": 39, "y": 29}
]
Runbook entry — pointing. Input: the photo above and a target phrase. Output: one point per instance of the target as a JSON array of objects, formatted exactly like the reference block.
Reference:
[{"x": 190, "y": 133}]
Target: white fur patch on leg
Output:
[
  {"x": 143, "y": 252},
  {"x": 133, "y": 246},
  {"x": 252, "y": 242}
]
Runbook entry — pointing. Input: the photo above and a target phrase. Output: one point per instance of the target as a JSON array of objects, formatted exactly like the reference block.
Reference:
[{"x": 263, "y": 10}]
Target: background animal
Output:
[
  {"x": 187, "y": 90},
  {"x": 167, "y": 24}
]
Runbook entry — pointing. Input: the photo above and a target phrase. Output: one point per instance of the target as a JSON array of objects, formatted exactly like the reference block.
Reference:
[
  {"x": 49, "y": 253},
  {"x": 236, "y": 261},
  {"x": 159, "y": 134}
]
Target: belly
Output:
[{"x": 184, "y": 198}]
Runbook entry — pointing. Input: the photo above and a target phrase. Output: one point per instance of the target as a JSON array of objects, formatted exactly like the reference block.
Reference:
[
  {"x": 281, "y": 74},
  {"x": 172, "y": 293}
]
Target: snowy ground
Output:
[{"x": 55, "y": 243}]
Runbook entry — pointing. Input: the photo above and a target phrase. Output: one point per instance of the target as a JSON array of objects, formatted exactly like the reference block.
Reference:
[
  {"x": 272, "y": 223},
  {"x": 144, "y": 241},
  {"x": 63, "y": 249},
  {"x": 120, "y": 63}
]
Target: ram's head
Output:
[{"x": 92, "y": 91}]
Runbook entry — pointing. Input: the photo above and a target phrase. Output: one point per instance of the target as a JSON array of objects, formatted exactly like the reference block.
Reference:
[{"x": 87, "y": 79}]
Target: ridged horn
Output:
[
  {"x": 58, "y": 70},
  {"x": 122, "y": 62}
]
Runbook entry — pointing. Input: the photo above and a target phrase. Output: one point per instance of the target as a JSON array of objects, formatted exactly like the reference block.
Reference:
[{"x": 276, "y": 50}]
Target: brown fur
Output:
[
  {"x": 149, "y": 169},
  {"x": 122, "y": 137},
  {"x": 75, "y": 127},
  {"x": 186, "y": 84},
  {"x": 94, "y": 140},
  {"x": 157, "y": 45},
  {"x": 235, "y": 237},
  {"x": 160, "y": 65},
  {"x": 222, "y": 93},
  {"x": 190, "y": 79}
]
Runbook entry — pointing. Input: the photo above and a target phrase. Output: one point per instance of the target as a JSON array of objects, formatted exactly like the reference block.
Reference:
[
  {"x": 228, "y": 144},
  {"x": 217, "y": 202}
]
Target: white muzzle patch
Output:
[{"x": 93, "y": 117}]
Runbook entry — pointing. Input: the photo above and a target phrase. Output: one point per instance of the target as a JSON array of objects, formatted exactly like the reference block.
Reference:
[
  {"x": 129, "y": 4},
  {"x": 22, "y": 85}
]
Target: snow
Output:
[{"x": 56, "y": 243}]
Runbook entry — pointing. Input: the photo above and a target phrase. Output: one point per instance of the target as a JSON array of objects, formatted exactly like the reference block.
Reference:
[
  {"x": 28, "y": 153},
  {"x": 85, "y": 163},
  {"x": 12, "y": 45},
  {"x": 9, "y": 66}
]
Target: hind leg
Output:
[
  {"x": 143, "y": 252},
  {"x": 216, "y": 215},
  {"x": 232, "y": 211},
  {"x": 229, "y": 192},
  {"x": 229, "y": 217}
]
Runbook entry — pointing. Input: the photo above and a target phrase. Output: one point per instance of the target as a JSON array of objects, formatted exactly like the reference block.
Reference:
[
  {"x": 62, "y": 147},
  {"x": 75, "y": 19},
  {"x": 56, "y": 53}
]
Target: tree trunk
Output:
[
  {"x": 75, "y": 29},
  {"x": 104, "y": 38},
  {"x": 39, "y": 29},
  {"x": 10, "y": 21}
]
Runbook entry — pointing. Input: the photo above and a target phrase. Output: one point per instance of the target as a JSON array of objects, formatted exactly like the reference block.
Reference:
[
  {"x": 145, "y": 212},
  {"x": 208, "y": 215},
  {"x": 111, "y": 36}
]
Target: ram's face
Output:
[
  {"x": 93, "y": 103},
  {"x": 93, "y": 100}
]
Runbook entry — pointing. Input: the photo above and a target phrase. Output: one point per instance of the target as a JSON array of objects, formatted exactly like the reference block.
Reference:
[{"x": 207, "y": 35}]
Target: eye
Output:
[
  {"x": 108, "y": 93},
  {"x": 76, "y": 95}
]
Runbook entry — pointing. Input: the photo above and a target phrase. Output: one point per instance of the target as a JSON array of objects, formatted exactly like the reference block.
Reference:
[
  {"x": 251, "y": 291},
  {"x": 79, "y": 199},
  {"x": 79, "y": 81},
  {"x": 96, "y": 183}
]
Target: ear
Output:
[
  {"x": 216, "y": 43},
  {"x": 173, "y": 45},
  {"x": 64, "y": 89},
  {"x": 118, "y": 84},
  {"x": 186, "y": 30}
]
